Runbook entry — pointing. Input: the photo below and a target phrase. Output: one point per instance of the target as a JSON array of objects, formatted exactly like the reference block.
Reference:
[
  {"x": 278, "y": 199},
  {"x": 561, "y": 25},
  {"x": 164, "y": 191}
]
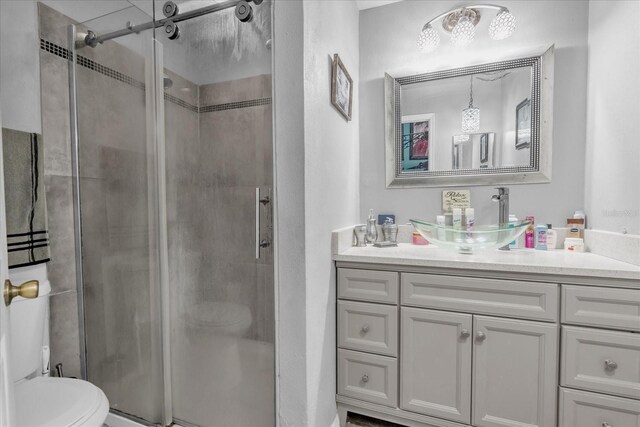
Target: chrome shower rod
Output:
[{"x": 93, "y": 39}]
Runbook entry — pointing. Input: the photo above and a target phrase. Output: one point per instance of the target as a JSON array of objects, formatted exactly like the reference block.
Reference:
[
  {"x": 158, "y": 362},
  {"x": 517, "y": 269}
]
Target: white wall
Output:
[
  {"x": 289, "y": 213},
  {"x": 20, "y": 66},
  {"x": 317, "y": 191},
  {"x": 331, "y": 186},
  {"x": 388, "y": 44},
  {"x": 612, "y": 174}
]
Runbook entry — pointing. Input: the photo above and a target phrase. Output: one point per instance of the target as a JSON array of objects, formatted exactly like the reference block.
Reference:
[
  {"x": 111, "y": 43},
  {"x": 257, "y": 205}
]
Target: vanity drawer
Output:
[
  {"x": 605, "y": 307},
  {"x": 510, "y": 298},
  {"x": 368, "y": 285},
  {"x": 368, "y": 377},
  {"x": 604, "y": 361},
  {"x": 368, "y": 327},
  {"x": 582, "y": 409}
]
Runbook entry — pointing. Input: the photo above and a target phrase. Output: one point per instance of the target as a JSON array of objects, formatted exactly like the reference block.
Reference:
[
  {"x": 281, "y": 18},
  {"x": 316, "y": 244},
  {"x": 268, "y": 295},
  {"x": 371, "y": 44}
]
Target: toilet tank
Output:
[{"x": 28, "y": 318}]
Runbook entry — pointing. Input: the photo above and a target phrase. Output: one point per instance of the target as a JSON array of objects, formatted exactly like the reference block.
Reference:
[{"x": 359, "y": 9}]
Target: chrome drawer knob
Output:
[
  {"x": 465, "y": 333},
  {"x": 365, "y": 378},
  {"x": 365, "y": 329},
  {"x": 610, "y": 364},
  {"x": 481, "y": 336},
  {"x": 606, "y": 424}
]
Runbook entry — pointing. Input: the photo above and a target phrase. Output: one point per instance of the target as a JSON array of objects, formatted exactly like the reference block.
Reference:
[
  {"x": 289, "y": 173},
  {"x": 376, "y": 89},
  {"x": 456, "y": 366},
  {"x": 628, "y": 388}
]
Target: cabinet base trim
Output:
[{"x": 390, "y": 414}]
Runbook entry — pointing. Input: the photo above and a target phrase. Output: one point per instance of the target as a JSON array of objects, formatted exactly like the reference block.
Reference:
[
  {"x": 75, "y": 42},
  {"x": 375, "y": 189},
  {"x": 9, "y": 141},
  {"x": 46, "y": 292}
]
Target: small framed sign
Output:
[
  {"x": 341, "y": 88},
  {"x": 456, "y": 199}
]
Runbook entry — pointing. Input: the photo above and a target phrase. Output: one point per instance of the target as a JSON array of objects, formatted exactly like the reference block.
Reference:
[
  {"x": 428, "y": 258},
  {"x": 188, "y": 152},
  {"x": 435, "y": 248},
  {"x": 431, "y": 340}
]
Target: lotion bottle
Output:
[
  {"x": 541, "y": 237},
  {"x": 552, "y": 238},
  {"x": 372, "y": 231}
]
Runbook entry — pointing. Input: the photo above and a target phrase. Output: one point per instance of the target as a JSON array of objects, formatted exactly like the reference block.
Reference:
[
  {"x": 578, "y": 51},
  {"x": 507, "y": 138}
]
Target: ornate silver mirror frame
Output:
[{"x": 539, "y": 169}]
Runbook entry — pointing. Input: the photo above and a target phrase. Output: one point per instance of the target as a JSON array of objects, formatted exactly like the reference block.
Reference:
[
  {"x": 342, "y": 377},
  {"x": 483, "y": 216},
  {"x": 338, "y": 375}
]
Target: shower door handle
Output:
[{"x": 260, "y": 243}]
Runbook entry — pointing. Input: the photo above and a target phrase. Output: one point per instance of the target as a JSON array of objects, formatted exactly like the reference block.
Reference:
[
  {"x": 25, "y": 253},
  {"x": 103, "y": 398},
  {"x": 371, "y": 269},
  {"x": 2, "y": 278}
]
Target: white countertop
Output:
[{"x": 556, "y": 262}]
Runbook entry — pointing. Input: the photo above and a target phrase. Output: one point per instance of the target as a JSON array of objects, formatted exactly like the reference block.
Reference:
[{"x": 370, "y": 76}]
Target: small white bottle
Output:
[
  {"x": 457, "y": 217},
  {"x": 512, "y": 221},
  {"x": 441, "y": 221},
  {"x": 552, "y": 238}
]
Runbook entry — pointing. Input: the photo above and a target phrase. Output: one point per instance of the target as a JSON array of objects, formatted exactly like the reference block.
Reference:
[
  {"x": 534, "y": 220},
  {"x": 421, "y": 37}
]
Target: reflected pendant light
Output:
[{"x": 471, "y": 115}]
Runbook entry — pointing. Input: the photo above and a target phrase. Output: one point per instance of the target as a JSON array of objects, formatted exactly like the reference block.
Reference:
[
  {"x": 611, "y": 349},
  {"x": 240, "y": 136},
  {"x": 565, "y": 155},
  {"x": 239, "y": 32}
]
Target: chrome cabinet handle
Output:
[
  {"x": 365, "y": 329},
  {"x": 481, "y": 336},
  {"x": 610, "y": 364},
  {"x": 465, "y": 333},
  {"x": 365, "y": 378}
]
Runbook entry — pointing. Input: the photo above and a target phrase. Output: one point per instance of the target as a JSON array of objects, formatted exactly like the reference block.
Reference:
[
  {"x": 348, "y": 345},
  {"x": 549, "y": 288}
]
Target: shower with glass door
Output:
[{"x": 173, "y": 172}]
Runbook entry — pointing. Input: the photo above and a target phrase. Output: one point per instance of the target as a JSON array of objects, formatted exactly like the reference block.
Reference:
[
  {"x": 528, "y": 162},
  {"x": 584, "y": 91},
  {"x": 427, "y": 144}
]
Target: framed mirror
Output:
[{"x": 489, "y": 124}]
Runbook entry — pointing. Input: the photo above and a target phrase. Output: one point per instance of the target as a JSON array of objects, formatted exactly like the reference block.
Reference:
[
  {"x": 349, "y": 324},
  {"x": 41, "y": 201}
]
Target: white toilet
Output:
[{"x": 43, "y": 401}]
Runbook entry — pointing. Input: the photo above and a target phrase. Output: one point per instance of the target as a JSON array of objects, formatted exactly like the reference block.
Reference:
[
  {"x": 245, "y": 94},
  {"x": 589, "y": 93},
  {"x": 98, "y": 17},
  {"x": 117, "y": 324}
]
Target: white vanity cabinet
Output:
[
  {"x": 469, "y": 351},
  {"x": 427, "y": 349},
  {"x": 600, "y": 361},
  {"x": 487, "y": 371}
]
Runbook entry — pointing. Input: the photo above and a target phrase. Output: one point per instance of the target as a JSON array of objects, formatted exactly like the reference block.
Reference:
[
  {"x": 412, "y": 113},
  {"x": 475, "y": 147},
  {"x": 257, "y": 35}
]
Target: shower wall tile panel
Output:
[
  {"x": 246, "y": 89},
  {"x": 61, "y": 269},
  {"x": 63, "y": 329}
]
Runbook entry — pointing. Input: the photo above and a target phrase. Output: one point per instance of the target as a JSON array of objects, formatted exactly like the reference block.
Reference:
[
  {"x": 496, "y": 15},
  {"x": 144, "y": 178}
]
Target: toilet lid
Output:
[
  {"x": 57, "y": 402},
  {"x": 218, "y": 313}
]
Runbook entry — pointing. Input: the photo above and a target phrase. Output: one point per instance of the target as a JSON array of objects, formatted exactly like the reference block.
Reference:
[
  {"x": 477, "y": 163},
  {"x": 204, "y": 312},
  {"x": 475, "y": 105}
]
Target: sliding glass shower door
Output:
[
  {"x": 175, "y": 172},
  {"x": 218, "y": 137}
]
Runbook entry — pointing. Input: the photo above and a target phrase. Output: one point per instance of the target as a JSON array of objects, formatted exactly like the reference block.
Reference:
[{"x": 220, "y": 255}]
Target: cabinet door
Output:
[
  {"x": 436, "y": 363},
  {"x": 515, "y": 367}
]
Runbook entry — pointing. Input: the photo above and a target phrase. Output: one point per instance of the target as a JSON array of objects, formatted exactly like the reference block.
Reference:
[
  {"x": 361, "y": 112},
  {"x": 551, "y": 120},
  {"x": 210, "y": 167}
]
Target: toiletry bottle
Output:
[
  {"x": 512, "y": 221},
  {"x": 471, "y": 220},
  {"x": 529, "y": 234},
  {"x": 372, "y": 231},
  {"x": 457, "y": 217},
  {"x": 552, "y": 238},
  {"x": 441, "y": 221},
  {"x": 541, "y": 237}
]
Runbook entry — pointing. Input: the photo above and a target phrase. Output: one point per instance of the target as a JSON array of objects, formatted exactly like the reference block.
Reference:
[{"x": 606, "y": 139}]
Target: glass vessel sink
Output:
[{"x": 465, "y": 241}]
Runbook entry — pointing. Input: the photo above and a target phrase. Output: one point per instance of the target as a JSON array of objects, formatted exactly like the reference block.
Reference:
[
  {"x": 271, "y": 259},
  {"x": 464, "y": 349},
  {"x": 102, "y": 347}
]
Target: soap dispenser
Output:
[{"x": 372, "y": 231}]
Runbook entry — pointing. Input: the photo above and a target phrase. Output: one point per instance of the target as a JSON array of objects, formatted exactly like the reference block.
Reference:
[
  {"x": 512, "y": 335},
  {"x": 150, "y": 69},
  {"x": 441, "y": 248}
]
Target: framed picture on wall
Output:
[
  {"x": 523, "y": 124},
  {"x": 341, "y": 88}
]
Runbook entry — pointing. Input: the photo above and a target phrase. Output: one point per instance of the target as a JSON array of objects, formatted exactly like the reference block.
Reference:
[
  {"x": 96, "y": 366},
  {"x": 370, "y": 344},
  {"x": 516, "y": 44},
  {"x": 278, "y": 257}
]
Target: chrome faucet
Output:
[{"x": 503, "y": 208}]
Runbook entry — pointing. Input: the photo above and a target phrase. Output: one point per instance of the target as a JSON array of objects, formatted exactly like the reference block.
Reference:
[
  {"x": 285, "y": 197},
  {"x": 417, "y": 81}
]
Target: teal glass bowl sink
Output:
[{"x": 479, "y": 238}]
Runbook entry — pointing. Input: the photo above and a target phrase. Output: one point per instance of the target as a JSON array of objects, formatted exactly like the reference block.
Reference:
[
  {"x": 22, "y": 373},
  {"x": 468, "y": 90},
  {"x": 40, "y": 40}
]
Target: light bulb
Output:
[
  {"x": 470, "y": 119},
  {"x": 463, "y": 33},
  {"x": 428, "y": 39},
  {"x": 502, "y": 26}
]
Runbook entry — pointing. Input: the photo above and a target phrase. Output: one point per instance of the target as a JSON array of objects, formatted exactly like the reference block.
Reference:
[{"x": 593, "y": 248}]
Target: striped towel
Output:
[{"x": 27, "y": 235}]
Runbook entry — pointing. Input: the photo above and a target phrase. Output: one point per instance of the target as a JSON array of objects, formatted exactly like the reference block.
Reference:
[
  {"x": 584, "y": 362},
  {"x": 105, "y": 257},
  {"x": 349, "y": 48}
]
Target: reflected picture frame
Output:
[
  {"x": 523, "y": 124},
  {"x": 341, "y": 88}
]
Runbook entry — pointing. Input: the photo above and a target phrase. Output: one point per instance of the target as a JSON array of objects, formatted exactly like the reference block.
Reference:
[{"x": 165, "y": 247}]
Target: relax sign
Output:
[{"x": 455, "y": 199}]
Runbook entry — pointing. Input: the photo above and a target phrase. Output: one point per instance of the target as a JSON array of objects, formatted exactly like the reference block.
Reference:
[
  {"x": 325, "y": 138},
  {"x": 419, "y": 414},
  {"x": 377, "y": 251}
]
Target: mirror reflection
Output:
[{"x": 475, "y": 121}]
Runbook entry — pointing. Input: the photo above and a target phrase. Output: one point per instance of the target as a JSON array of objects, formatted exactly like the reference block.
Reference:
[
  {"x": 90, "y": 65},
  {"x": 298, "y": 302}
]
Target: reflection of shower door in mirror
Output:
[{"x": 218, "y": 136}]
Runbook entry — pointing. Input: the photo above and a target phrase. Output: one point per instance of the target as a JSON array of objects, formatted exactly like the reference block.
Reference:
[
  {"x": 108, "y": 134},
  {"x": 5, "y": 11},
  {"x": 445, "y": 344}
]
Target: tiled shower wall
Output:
[{"x": 218, "y": 141}]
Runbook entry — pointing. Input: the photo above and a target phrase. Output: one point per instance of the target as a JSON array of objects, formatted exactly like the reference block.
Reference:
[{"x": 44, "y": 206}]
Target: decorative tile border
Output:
[
  {"x": 61, "y": 52},
  {"x": 179, "y": 102},
  {"x": 235, "y": 105}
]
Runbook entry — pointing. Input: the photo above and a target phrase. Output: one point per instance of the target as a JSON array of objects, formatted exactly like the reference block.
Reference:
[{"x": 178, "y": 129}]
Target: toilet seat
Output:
[{"x": 60, "y": 402}]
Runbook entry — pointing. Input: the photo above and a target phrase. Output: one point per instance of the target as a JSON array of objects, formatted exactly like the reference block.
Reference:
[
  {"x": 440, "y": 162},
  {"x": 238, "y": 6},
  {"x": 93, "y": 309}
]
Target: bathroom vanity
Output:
[{"x": 427, "y": 337}]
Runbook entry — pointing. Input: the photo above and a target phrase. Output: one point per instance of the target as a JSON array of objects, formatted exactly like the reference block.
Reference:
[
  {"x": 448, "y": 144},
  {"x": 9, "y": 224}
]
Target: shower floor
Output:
[{"x": 221, "y": 380}]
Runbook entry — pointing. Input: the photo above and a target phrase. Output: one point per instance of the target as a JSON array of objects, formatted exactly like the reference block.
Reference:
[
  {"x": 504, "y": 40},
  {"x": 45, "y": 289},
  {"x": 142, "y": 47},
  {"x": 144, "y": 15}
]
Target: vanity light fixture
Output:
[
  {"x": 471, "y": 115},
  {"x": 461, "y": 23}
]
